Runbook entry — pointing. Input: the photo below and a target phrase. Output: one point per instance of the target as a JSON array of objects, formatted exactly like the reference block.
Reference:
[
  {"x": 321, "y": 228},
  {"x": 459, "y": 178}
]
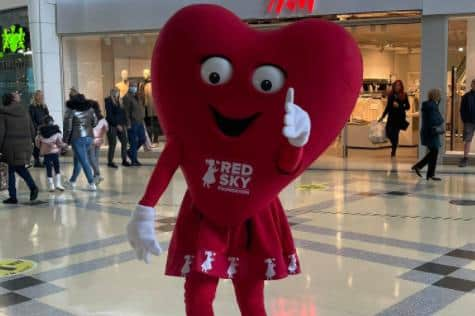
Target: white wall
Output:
[
  {"x": 434, "y": 7},
  {"x": 470, "y": 51},
  {"x": 89, "y": 16},
  {"x": 82, "y": 66},
  {"x": 46, "y": 57},
  {"x": 11, "y": 4},
  {"x": 377, "y": 65},
  {"x": 435, "y": 46}
]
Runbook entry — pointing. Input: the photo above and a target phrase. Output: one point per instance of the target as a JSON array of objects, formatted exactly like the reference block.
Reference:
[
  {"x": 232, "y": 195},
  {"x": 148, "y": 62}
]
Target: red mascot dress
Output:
[{"x": 225, "y": 95}]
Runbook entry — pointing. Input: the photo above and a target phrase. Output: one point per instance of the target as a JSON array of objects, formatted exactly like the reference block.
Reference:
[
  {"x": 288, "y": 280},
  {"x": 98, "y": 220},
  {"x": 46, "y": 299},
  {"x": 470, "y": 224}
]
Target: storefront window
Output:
[
  {"x": 16, "y": 67},
  {"x": 461, "y": 62},
  {"x": 96, "y": 64},
  {"x": 390, "y": 52}
]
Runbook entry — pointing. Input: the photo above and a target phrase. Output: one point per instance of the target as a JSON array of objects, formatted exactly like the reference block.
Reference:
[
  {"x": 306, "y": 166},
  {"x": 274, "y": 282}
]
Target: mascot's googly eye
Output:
[
  {"x": 268, "y": 79},
  {"x": 216, "y": 71}
]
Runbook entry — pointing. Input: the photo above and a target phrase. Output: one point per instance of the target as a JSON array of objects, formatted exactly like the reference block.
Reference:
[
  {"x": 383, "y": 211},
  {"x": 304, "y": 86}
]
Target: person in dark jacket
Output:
[
  {"x": 431, "y": 129},
  {"x": 38, "y": 112},
  {"x": 16, "y": 144},
  {"x": 117, "y": 120},
  {"x": 467, "y": 112},
  {"x": 135, "y": 113},
  {"x": 79, "y": 122},
  {"x": 398, "y": 104}
]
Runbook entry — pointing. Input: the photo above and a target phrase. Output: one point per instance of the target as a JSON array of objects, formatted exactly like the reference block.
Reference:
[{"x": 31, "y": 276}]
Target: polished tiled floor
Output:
[{"x": 373, "y": 240}]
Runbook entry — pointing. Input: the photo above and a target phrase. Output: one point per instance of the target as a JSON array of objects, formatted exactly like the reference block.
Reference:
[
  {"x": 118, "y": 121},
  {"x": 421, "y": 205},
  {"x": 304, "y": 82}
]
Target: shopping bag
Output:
[
  {"x": 148, "y": 143},
  {"x": 3, "y": 176},
  {"x": 377, "y": 132}
]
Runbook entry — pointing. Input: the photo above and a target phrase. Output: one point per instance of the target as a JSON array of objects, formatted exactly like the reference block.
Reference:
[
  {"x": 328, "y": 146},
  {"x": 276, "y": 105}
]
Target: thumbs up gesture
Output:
[{"x": 297, "y": 122}]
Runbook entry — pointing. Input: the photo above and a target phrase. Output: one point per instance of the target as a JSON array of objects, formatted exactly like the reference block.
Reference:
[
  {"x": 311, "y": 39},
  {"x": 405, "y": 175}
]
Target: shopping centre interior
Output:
[{"x": 371, "y": 236}]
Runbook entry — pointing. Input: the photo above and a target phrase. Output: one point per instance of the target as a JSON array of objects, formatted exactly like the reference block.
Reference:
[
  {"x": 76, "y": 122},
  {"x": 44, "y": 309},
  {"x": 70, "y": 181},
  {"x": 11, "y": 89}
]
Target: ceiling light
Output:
[{"x": 461, "y": 49}]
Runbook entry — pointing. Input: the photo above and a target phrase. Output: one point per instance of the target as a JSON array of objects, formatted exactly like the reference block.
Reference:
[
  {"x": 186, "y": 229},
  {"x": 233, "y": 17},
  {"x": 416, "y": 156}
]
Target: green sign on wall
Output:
[{"x": 13, "y": 40}]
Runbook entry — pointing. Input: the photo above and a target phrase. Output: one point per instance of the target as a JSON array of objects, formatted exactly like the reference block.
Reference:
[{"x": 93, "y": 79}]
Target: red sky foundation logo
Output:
[{"x": 278, "y": 6}]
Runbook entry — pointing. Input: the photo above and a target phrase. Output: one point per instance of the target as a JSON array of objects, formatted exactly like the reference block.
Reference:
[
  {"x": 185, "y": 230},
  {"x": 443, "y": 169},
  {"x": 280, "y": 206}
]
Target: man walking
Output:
[
  {"x": 135, "y": 113},
  {"x": 467, "y": 111}
]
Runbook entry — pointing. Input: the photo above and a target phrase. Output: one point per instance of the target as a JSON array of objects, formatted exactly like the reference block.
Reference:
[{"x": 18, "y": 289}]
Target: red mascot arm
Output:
[
  {"x": 166, "y": 166},
  {"x": 290, "y": 158}
]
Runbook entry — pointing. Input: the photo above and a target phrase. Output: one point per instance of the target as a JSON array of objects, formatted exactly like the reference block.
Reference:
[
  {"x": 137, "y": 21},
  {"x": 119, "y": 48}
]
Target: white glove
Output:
[
  {"x": 297, "y": 122},
  {"x": 141, "y": 233}
]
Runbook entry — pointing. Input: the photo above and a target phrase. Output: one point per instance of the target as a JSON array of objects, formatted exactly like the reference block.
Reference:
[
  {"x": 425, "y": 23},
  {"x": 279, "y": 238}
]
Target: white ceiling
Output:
[{"x": 11, "y": 4}]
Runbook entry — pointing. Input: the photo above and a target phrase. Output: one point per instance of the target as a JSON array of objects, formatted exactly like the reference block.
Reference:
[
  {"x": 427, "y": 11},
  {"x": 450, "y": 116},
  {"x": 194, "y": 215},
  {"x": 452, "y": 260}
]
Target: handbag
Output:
[
  {"x": 438, "y": 130},
  {"x": 404, "y": 125}
]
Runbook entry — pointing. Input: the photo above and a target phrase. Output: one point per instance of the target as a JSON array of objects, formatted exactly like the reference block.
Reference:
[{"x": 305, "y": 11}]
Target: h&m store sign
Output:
[{"x": 279, "y": 6}]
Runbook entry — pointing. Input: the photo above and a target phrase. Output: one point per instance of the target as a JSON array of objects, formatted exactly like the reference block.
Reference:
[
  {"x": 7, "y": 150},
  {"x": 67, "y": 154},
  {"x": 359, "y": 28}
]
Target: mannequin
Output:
[
  {"x": 151, "y": 119},
  {"x": 123, "y": 85}
]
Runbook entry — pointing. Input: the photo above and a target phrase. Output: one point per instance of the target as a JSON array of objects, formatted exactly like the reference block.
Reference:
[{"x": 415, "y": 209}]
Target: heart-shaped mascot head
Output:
[{"x": 221, "y": 86}]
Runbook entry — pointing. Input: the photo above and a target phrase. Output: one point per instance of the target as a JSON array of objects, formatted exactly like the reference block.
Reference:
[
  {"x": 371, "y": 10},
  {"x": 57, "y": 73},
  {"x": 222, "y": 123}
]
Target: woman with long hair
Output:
[
  {"x": 398, "y": 104},
  {"x": 38, "y": 112},
  {"x": 431, "y": 129}
]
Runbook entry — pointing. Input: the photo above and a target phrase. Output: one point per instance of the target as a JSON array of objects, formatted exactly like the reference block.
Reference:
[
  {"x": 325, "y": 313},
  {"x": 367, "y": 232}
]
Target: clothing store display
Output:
[{"x": 123, "y": 87}]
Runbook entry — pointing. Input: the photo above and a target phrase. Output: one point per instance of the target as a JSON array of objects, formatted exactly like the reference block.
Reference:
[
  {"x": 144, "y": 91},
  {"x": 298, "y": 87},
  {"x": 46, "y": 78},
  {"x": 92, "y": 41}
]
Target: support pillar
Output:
[
  {"x": 46, "y": 54},
  {"x": 435, "y": 38}
]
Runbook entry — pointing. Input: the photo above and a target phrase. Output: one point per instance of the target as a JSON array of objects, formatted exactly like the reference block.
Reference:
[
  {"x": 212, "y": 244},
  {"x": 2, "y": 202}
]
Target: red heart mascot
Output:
[{"x": 225, "y": 95}]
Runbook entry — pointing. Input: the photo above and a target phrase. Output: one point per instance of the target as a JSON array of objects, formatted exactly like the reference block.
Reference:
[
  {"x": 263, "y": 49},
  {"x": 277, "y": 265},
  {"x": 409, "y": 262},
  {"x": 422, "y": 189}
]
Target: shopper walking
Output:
[
  {"x": 50, "y": 143},
  {"x": 117, "y": 120},
  {"x": 79, "y": 121},
  {"x": 467, "y": 112},
  {"x": 38, "y": 112},
  {"x": 398, "y": 104},
  {"x": 16, "y": 144},
  {"x": 94, "y": 151},
  {"x": 431, "y": 129},
  {"x": 135, "y": 113}
]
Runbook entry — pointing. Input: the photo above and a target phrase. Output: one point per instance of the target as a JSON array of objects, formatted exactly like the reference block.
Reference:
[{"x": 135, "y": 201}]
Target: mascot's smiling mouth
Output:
[{"x": 232, "y": 127}]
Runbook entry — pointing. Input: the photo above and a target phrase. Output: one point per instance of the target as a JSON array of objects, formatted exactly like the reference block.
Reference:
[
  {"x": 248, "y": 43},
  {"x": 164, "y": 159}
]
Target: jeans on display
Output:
[
  {"x": 80, "y": 148},
  {"x": 112, "y": 136},
  {"x": 52, "y": 161},
  {"x": 430, "y": 160},
  {"x": 93, "y": 156},
  {"x": 136, "y": 140},
  {"x": 24, "y": 174}
]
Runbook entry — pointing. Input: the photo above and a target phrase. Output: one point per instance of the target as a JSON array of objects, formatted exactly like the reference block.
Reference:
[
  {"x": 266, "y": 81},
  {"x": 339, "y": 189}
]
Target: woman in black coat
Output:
[
  {"x": 38, "y": 112},
  {"x": 117, "y": 120},
  {"x": 432, "y": 128},
  {"x": 398, "y": 104}
]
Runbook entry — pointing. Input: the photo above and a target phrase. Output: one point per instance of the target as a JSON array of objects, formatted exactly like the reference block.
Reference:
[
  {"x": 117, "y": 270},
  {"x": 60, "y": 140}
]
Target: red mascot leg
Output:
[
  {"x": 200, "y": 291},
  {"x": 250, "y": 297}
]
